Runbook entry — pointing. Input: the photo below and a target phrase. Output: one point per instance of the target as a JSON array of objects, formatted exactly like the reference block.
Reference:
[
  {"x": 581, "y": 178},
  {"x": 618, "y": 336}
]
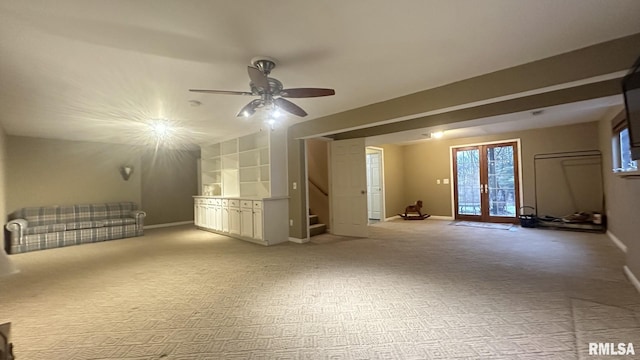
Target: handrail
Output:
[{"x": 318, "y": 187}]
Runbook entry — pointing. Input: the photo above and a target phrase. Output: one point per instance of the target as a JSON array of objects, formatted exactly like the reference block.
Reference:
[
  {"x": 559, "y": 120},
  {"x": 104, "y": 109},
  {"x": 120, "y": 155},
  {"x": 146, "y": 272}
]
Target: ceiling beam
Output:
[{"x": 589, "y": 62}]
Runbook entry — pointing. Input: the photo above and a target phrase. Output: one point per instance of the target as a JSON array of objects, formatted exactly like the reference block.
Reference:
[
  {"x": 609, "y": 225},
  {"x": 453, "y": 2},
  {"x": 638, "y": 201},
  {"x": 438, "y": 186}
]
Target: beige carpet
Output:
[{"x": 412, "y": 290}]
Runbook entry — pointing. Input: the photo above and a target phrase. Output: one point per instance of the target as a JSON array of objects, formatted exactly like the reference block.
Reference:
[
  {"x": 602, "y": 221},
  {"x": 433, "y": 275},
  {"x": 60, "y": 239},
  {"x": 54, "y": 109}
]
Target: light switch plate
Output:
[{"x": 446, "y": 181}]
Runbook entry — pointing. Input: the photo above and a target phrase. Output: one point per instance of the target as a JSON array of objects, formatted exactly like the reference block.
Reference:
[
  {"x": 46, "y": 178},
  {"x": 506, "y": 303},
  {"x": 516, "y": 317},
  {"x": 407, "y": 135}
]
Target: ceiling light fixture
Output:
[
  {"x": 160, "y": 129},
  {"x": 437, "y": 134}
]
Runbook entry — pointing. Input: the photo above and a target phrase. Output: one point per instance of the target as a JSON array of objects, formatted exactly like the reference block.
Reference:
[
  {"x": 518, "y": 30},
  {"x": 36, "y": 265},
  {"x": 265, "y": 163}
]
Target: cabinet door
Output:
[
  {"x": 208, "y": 217},
  {"x": 246, "y": 222},
  {"x": 217, "y": 217},
  {"x": 225, "y": 219},
  {"x": 257, "y": 224},
  {"x": 234, "y": 221}
]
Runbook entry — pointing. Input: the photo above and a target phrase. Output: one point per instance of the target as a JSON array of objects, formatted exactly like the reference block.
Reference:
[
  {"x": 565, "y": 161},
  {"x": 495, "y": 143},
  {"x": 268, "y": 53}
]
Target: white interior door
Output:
[
  {"x": 348, "y": 188},
  {"x": 374, "y": 186}
]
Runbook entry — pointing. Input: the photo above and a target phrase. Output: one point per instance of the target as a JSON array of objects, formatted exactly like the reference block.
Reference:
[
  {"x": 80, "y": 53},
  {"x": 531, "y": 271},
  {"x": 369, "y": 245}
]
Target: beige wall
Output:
[
  {"x": 394, "y": 198},
  {"x": 42, "y": 172},
  {"x": 318, "y": 173},
  {"x": 430, "y": 160},
  {"x": 56, "y": 172},
  {"x": 623, "y": 201},
  {"x": 169, "y": 182},
  {"x": 3, "y": 175}
]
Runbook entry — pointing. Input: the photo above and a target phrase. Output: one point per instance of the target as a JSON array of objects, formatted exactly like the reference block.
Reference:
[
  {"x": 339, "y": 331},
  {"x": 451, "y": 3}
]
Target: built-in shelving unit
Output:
[
  {"x": 243, "y": 166},
  {"x": 249, "y": 169}
]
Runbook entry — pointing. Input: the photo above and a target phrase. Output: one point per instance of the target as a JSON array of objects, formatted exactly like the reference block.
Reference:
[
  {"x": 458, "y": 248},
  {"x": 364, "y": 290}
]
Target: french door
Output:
[{"x": 486, "y": 185}]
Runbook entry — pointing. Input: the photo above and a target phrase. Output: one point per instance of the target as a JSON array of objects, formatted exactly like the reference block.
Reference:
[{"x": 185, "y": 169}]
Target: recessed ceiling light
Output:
[
  {"x": 437, "y": 134},
  {"x": 537, "y": 112},
  {"x": 194, "y": 103}
]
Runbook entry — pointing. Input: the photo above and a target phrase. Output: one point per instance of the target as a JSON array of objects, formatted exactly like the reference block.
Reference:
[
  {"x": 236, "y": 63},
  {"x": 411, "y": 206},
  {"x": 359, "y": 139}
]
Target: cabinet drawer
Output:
[
  {"x": 234, "y": 203},
  {"x": 225, "y": 202},
  {"x": 246, "y": 204},
  {"x": 209, "y": 201},
  {"x": 257, "y": 204},
  {"x": 217, "y": 201}
]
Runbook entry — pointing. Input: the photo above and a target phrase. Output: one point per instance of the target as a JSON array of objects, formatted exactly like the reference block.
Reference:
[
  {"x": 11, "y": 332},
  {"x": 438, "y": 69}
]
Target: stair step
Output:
[
  {"x": 313, "y": 219},
  {"x": 317, "y": 229}
]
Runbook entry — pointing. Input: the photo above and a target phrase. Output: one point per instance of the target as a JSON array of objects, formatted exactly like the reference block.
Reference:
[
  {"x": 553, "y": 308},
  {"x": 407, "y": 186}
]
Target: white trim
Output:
[
  {"x": 591, "y": 80},
  {"x": 298, "y": 241},
  {"x": 392, "y": 218},
  {"x": 436, "y": 217},
  {"x": 520, "y": 166},
  {"x": 617, "y": 241},
  {"x": 155, "y": 226},
  {"x": 634, "y": 280}
]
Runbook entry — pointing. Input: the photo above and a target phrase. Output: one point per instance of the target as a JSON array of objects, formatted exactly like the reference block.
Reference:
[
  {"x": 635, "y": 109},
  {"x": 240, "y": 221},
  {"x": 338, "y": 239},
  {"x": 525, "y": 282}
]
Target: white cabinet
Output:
[
  {"x": 261, "y": 221},
  {"x": 257, "y": 219},
  {"x": 217, "y": 214},
  {"x": 234, "y": 217},
  {"x": 224, "y": 226},
  {"x": 246, "y": 218}
]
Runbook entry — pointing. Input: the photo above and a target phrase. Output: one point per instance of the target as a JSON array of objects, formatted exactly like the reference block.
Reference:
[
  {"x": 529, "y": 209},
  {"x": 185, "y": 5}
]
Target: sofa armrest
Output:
[
  {"x": 139, "y": 215},
  {"x": 17, "y": 228}
]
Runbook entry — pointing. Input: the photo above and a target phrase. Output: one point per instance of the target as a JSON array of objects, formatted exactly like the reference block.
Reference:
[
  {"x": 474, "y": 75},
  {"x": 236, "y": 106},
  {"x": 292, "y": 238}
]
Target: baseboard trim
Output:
[
  {"x": 155, "y": 226},
  {"x": 298, "y": 241},
  {"x": 436, "y": 217},
  {"x": 617, "y": 241},
  {"x": 392, "y": 218},
  {"x": 634, "y": 280}
]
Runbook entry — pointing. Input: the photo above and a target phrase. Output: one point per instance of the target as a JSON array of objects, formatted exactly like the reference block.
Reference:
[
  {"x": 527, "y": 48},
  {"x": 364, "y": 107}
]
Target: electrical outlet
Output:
[
  {"x": 438, "y": 181},
  {"x": 295, "y": 186},
  {"x": 445, "y": 181},
  {"x": 290, "y": 222}
]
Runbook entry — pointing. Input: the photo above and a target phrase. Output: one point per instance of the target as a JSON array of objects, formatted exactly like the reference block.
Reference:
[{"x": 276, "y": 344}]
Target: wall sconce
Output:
[{"x": 126, "y": 171}]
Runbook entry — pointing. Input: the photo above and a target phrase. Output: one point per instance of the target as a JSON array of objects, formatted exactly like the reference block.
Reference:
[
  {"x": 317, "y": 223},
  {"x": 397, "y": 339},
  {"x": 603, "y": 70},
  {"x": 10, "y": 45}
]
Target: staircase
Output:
[{"x": 316, "y": 228}]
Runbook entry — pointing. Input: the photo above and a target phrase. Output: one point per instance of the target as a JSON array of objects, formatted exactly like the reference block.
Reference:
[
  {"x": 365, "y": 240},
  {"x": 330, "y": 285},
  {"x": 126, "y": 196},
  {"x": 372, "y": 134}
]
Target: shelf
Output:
[
  {"x": 249, "y": 158},
  {"x": 210, "y": 151},
  {"x": 212, "y": 164},
  {"x": 249, "y": 174},
  {"x": 264, "y": 172},
  {"x": 229, "y": 147},
  {"x": 253, "y": 141},
  {"x": 230, "y": 161}
]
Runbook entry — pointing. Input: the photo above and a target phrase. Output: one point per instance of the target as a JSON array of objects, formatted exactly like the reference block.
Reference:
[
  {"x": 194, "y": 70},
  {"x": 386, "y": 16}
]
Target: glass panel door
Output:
[
  {"x": 486, "y": 183},
  {"x": 467, "y": 182},
  {"x": 501, "y": 182}
]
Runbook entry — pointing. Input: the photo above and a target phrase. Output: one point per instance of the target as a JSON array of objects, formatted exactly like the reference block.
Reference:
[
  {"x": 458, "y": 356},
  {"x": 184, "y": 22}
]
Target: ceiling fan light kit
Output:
[{"x": 270, "y": 90}]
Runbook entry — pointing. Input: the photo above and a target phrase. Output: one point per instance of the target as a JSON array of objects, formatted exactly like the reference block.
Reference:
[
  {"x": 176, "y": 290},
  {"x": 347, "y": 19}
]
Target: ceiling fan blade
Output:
[
  {"x": 224, "y": 92},
  {"x": 306, "y": 92},
  {"x": 250, "y": 108},
  {"x": 258, "y": 79},
  {"x": 290, "y": 107}
]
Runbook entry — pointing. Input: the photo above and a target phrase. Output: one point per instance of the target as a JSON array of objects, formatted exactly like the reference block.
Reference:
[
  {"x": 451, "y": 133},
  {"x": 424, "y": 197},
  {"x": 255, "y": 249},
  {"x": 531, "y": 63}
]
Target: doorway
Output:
[
  {"x": 486, "y": 184},
  {"x": 375, "y": 184}
]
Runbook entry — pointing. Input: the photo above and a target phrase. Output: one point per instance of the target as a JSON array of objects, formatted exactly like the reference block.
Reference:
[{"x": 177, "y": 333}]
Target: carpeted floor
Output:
[{"x": 412, "y": 290}]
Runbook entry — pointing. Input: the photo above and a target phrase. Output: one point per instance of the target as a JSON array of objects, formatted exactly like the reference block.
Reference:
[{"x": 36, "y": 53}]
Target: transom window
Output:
[{"x": 622, "y": 161}]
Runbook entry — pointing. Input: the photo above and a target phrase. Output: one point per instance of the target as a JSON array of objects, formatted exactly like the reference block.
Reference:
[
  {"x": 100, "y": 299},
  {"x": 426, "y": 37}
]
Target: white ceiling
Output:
[{"x": 101, "y": 70}]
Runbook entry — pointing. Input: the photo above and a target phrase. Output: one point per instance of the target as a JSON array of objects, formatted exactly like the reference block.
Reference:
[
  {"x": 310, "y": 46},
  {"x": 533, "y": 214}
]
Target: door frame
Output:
[
  {"x": 519, "y": 170},
  {"x": 383, "y": 214}
]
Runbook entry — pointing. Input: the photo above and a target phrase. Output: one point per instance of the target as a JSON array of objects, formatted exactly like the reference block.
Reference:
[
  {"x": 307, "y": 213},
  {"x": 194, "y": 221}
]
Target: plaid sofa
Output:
[{"x": 38, "y": 228}]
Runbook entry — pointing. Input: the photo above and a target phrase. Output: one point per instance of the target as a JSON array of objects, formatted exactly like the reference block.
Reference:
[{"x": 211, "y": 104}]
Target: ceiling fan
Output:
[{"x": 271, "y": 92}]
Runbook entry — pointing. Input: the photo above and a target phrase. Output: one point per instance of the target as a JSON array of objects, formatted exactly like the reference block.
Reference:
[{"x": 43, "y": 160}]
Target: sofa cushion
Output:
[
  {"x": 42, "y": 229},
  {"x": 116, "y": 222},
  {"x": 85, "y": 225}
]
